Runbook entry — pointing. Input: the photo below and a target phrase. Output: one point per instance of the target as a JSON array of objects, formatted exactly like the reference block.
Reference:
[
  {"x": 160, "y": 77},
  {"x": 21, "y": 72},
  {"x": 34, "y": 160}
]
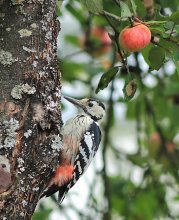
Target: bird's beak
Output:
[{"x": 76, "y": 102}]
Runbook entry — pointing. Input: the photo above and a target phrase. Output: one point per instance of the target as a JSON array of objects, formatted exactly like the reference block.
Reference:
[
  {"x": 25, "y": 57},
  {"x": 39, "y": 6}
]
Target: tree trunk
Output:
[{"x": 30, "y": 118}]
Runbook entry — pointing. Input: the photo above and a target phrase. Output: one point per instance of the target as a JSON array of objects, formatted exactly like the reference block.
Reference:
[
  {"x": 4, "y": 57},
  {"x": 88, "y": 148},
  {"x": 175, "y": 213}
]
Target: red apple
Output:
[
  {"x": 135, "y": 38},
  {"x": 97, "y": 42}
]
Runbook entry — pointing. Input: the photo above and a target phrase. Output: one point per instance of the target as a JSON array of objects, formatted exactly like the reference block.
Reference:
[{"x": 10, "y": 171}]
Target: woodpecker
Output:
[{"x": 81, "y": 139}]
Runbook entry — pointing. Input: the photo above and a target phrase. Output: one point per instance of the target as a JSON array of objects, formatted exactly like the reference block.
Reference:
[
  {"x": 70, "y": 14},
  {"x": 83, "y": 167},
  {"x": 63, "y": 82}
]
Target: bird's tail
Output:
[
  {"x": 50, "y": 191},
  {"x": 62, "y": 193}
]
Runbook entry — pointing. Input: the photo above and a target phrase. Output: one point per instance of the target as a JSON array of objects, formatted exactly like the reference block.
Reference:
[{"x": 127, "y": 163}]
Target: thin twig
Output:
[
  {"x": 72, "y": 54},
  {"x": 107, "y": 214},
  {"x": 171, "y": 31},
  {"x": 151, "y": 111},
  {"x": 115, "y": 17},
  {"x": 109, "y": 22},
  {"x": 116, "y": 38}
]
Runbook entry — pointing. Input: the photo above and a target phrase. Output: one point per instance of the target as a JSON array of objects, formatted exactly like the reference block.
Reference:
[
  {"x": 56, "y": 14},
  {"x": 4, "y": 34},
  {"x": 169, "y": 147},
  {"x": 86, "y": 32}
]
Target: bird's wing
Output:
[{"x": 88, "y": 147}]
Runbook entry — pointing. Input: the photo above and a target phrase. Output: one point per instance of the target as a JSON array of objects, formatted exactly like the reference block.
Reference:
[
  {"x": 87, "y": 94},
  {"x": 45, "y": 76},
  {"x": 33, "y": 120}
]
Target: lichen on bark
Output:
[{"x": 30, "y": 118}]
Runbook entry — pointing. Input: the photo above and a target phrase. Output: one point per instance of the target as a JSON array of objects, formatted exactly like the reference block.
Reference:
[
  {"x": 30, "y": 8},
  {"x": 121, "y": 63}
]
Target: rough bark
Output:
[{"x": 30, "y": 118}]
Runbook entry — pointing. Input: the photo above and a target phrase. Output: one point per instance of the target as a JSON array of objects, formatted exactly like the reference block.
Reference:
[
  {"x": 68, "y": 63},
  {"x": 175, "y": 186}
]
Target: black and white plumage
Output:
[{"x": 81, "y": 139}]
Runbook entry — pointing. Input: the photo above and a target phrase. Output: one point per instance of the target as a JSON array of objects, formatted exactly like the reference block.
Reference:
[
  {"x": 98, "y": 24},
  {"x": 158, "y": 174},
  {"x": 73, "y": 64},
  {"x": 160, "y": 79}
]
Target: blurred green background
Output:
[{"x": 136, "y": 171}]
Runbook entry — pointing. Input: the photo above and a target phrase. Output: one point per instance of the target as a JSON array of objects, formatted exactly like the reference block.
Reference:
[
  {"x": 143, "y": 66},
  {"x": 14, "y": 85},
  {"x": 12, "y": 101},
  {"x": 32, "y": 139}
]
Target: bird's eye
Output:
[
  {"x": 3, "y": 165},
  {"x": 90, "y": 104}
]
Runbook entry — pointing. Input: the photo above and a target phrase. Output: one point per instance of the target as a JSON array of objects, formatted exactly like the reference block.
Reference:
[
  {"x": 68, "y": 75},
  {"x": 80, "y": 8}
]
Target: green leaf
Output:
[
  {"x": 141, "y": 11},
  {"x": 172, "y": 51},
  {"x": 156, "y": 57},
  {"x": 169, "y": 25},
  {"x": 76, "y": 13},
  {"x": 106, "y": 78},
  {"x": 134, "y": 6},
  {"x": 94, "y": 6},
  {"x": 71, "y": 70},
  {"x": 172, "y": 88},
  {"x": 155, "y": 22},
  {"x": 176, "y": 198},
  {"x": 169, "y": 46},
  {"x": 138, "y": 160},
  {"x": 177, "y": 28},
  {"x": 175, "y": 58},
  {"x": 158, "y": 30},
  {"x": 130, "y": 88},
  {"x": 58, "y": 7},
  {"x": 125, "y": 11},
  {"x": 175, "y": 17},
  {"x": 73, "y": 40},
  {"x": 42, "y": 215},
  {"x": 145, "y": 53}
]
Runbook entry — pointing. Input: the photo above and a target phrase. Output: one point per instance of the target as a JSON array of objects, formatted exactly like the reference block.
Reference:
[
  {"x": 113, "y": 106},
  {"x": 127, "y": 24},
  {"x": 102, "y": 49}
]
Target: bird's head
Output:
[{"x": 92, "y": 107}]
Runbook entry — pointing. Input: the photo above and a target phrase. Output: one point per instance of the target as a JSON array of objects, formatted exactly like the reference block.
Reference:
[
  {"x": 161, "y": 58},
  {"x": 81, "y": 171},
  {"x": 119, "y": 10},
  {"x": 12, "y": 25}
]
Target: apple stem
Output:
[
  {"x": 115, "y": 17},
  {"x": 135, "y": 19},
  {"x": 131, "y": 21}
]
